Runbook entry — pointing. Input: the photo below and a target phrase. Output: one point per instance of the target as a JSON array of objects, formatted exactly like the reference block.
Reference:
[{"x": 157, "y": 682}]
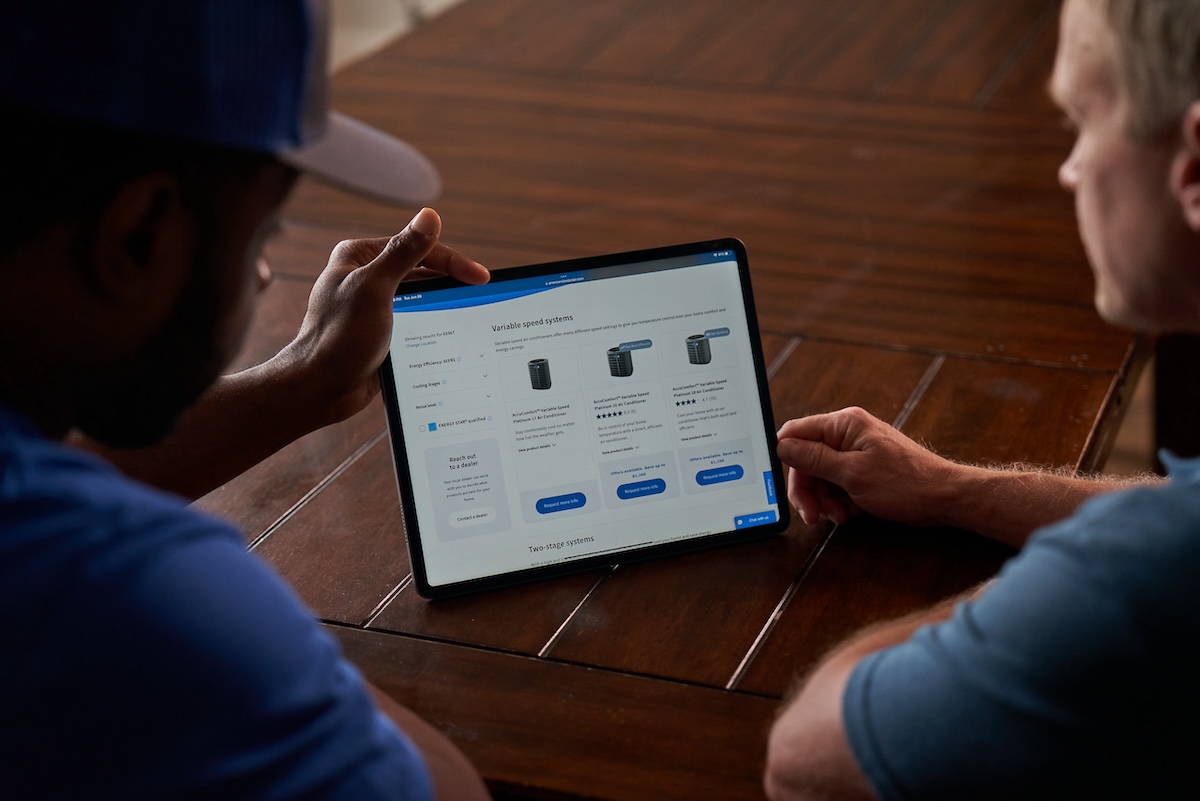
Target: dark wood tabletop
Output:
[{"x": 891, "y": 167}]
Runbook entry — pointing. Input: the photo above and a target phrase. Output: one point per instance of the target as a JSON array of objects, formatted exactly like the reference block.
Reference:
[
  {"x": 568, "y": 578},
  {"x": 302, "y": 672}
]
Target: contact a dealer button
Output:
[{"x": 473, "y": 517}]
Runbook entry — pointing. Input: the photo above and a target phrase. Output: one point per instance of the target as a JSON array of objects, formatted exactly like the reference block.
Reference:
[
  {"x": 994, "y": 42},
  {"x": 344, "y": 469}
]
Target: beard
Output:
[{"x": 138, "y": 402}]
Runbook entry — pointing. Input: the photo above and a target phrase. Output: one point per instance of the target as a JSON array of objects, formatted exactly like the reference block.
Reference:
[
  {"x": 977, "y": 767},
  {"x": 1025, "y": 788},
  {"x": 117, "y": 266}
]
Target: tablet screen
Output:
[{"x": 580, "y": 413}]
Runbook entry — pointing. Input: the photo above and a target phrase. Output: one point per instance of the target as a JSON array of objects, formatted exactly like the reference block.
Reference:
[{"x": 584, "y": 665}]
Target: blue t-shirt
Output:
[
  {"x": 1073, "y": 676},
  {"x": 147, "y": 655}
]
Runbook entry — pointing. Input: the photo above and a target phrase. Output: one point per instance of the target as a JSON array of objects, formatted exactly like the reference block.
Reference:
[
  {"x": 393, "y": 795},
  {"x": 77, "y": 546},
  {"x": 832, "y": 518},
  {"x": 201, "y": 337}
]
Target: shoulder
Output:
[
  {"x": 1142, "y": 545},
  {"x": 147, "y": 642},
  {"x": 41, "y": 478},
  {"x": 1073, "y": 667},
  {"x": 1110, "y": 591},
  {"x": 71, "y": 518}
]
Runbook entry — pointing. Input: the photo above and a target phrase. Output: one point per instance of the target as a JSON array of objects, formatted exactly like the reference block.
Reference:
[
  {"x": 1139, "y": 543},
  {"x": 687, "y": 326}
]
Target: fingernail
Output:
[{"x": 425, "y": 223}]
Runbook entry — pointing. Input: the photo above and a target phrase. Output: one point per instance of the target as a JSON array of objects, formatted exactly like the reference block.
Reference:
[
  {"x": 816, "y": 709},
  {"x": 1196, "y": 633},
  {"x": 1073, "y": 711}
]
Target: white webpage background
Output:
[{"x": 485, "y": 445}]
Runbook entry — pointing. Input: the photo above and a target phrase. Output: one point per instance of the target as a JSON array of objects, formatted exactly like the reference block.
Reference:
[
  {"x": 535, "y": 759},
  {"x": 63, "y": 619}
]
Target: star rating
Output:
[
  {"x": 688, "y": 402},
  {"x": 609, "y": 414}
]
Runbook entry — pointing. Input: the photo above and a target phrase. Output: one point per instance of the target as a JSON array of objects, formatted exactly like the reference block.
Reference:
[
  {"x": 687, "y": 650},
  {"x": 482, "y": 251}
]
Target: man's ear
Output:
[
  {"x": 1186, "y": 172},
  {"x": 143, "y": 243}
]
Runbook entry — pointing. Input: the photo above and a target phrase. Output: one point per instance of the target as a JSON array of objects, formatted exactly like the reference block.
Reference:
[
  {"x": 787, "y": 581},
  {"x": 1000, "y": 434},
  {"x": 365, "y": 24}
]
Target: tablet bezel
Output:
[{"x": 400, "y": 461}]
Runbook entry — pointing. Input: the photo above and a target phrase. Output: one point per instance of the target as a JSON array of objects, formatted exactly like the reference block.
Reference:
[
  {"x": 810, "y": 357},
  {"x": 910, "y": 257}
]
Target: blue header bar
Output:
[{"x": 501, "y": 289}]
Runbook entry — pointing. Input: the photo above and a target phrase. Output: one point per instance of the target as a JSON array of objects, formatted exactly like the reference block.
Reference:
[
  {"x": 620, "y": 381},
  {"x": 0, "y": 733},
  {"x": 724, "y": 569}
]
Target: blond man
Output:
[{"x": 1070, "y": 675}]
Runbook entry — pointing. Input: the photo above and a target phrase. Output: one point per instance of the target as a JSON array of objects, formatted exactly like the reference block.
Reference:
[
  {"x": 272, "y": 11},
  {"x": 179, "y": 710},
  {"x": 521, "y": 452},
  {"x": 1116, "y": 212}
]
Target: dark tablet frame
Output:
[{"x": 399, "y": 451}]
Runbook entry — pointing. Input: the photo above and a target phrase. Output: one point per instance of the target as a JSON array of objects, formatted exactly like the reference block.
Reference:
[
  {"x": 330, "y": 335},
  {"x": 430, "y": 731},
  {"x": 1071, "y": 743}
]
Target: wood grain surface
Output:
[{"x": 891, "y": 168}]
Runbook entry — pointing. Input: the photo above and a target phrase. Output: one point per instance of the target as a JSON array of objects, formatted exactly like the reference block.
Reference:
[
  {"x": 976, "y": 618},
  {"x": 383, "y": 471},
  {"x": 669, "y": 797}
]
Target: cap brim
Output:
[{"x": 358, "y": 158}]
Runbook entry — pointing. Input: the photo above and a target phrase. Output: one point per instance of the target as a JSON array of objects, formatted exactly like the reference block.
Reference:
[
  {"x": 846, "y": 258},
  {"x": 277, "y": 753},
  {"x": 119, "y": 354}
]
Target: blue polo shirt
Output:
[
  {"x": 1073, "y": 676},
  {"x": 147, "y": 655}
]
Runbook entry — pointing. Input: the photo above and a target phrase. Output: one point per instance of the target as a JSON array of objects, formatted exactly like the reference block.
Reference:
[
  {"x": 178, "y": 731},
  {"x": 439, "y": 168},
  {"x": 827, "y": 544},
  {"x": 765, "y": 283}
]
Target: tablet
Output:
[{"x": 580, "y": 413}]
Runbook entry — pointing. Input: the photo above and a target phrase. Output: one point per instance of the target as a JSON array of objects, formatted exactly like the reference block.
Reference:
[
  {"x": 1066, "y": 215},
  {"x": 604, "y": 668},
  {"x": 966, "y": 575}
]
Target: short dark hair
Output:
[{"x": 60, "y": 169}]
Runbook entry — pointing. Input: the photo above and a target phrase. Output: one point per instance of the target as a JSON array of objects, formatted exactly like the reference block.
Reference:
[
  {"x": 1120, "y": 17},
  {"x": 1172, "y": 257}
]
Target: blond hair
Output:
[{"x": 1158, "y": 60}]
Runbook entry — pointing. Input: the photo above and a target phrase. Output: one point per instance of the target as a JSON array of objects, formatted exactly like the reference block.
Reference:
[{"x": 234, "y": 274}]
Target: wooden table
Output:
[{"x": 890, "y": 165}]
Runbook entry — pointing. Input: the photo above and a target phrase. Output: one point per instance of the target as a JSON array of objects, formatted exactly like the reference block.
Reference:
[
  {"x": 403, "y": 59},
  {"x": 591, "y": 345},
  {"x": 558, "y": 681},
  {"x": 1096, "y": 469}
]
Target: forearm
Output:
[
  {"x": 849, "y": 460},
  {"x": 241, "y": 420},
  {"x": 1009, "y": 504},
  {"x": 453, "y": 775}
]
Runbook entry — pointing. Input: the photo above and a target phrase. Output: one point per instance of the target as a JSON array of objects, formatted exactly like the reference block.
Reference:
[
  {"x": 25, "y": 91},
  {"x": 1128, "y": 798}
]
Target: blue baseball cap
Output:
[{"x": 244, "y": 74}]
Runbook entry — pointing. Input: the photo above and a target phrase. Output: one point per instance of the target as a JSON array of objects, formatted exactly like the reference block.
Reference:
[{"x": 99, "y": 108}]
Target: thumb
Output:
[
  {"x": 405, "y": 251},
  {"x": 811, "y": 458}
]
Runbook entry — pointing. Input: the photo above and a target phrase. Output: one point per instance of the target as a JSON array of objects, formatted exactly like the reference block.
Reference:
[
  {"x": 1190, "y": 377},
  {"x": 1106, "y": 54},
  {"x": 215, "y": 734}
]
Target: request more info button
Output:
[{"x": 473, "y": 517}]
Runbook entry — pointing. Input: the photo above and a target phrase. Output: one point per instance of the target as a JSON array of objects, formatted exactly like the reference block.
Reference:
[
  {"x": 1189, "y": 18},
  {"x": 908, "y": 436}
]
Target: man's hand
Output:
[
  {"x": 326, "y": 374},
  {"x": 848, "y": 461},
  {"x": 348, "y": 325}
]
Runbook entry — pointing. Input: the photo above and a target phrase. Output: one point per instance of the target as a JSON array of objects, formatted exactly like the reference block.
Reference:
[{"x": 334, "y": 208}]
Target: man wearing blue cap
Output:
[{"x": 149, "y": 148}]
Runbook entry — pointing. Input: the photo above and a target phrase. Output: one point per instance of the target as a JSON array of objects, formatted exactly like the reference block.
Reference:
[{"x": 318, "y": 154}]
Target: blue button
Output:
[
  {"x": 652, "y": 486},
  {"x": 561, "y": 503},
  {"x": 717, "y": 475},
  {"x": 757, "y": 519}
]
